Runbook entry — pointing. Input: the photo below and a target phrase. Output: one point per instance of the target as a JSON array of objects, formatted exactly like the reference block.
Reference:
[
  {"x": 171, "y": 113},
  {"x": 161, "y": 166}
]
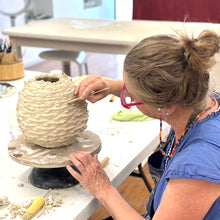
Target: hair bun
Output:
[{"x": 199, "y": 52}]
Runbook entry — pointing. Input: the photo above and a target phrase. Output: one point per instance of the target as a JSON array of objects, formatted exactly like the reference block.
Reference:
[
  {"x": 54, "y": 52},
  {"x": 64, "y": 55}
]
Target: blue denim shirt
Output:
[{"x": 197, "y": 157}]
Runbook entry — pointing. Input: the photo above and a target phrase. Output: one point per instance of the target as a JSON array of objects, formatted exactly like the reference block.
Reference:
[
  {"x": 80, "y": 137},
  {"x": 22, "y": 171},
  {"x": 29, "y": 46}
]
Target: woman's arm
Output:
[
  {"x": 96, "y": 182},
  {"x": 187, "y": 199},
  {"x": 117, "y": 206},
  {"x": 96, "y": 82}
]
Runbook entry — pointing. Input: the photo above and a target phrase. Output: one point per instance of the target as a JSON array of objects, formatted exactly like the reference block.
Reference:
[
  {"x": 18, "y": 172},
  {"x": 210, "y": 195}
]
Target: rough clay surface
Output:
[{"x": 43, "y": 114}]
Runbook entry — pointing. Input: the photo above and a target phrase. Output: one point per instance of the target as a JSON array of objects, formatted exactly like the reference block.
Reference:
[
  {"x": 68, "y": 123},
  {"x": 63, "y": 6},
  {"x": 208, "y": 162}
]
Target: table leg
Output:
[
  {"x": 16, "y": 48},
  {"x": 18, "y": 53}
]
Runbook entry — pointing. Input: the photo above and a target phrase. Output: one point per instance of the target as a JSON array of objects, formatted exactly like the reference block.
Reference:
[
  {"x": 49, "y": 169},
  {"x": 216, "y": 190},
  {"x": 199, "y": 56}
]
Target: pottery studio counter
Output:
[{"x": 127, "y": 144}]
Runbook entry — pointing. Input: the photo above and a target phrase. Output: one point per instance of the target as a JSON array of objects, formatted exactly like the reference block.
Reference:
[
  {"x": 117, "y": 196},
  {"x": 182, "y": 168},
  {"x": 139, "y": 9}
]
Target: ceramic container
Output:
[
  {"x": 12, "y": 71},
  {"x": 43, "y": 114}
]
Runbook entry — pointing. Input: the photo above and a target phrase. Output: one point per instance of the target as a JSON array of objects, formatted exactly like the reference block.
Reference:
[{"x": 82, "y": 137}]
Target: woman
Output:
[{"x": 167, "y": 78}]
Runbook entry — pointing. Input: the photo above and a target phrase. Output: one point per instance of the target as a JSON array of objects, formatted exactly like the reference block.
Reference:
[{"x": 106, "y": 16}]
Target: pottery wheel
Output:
[
  {"x": 37, "y": 156},
  {"x": 50, "y": 163}
]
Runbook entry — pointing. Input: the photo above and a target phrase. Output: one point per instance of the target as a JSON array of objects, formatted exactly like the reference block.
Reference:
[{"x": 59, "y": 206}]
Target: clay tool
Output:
[
  {"x": 37, "y": 204},
  {"x": 104, "y": 162},
  {"x": 112, "y": 98},
  {"x": 92, "y": 93}
]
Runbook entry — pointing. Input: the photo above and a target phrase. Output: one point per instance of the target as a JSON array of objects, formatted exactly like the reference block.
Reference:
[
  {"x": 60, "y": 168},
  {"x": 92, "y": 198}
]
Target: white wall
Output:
[
  {"x": 124, "y": 10},
  {"x": 71, "y": 8},
  {"x": 10, "y": 6}
]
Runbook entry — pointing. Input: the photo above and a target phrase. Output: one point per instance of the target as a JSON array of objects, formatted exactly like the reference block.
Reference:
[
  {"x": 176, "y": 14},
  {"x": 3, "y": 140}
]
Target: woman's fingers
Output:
[
  {"x": 92, "y": 176},
  {"x": 87, "y": 161},
  {"x": 83, "y": 161},
  {"x": 90, "y": 84},
  {"x": 74, "y": 173}
]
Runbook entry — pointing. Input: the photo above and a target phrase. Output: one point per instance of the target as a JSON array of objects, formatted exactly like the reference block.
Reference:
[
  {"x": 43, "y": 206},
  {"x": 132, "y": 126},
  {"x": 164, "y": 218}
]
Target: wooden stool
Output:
[{"x": 79, "y": 57}]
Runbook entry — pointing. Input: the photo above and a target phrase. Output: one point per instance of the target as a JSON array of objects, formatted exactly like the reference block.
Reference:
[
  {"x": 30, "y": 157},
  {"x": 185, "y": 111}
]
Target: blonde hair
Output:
[{"x": 167, "y": 69}]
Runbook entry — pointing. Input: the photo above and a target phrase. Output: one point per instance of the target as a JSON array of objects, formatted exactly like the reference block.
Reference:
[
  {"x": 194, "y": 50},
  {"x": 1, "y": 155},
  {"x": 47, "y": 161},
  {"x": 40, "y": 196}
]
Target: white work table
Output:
[
  {"x": 102, "y": 36},
  {"x": 127, "y": 144}
]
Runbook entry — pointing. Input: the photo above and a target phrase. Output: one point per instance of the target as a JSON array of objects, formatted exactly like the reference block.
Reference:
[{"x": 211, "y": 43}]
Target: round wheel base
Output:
[{"x": 50, "y": 178}]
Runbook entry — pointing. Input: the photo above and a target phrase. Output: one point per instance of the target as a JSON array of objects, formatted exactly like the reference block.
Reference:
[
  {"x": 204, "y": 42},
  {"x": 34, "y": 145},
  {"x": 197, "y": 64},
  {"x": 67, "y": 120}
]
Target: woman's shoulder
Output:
[
  {"x": 204, "y": 132},
  {"x": 198, "y": 161},
  {"x": 198, "y": 155}
]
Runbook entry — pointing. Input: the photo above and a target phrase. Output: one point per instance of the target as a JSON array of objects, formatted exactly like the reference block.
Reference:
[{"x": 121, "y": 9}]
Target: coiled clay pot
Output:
[{"x": 43, "y": 114}]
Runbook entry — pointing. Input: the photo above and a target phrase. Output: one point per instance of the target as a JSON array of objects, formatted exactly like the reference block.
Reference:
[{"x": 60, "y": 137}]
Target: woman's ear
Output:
[{"x": 170, "y": 110}]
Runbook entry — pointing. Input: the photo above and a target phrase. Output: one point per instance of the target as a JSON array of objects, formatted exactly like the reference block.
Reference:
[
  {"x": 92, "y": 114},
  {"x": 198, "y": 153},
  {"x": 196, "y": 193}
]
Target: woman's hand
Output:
[
  {"x": 90, "y": 84},
  {"x": 92, "y": 177},
  {"x": 95, "y": 82},
  {"x": 96, "y": 182}
]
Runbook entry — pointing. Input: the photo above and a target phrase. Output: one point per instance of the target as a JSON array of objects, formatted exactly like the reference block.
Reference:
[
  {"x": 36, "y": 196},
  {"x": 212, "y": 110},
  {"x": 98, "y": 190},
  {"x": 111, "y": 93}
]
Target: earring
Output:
[
  {"x": 167, "y": 113},
  {"x": 160, "y": 134}
]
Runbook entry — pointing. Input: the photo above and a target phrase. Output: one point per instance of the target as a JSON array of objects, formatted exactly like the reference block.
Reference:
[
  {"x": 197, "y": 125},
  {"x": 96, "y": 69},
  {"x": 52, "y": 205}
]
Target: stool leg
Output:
[
  {"x": 86, "y": 68},
  {"x": 66, "y": 68}
]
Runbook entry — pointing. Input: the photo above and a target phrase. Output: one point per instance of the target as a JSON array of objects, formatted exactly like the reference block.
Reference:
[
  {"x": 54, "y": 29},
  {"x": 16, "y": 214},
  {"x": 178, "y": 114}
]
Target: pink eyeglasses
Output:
[{"x": 126, "y": 99}]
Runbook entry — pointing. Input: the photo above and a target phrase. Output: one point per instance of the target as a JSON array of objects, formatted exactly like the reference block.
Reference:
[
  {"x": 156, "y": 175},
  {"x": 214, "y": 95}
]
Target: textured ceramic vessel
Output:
[{"x": 43, "y": 114}]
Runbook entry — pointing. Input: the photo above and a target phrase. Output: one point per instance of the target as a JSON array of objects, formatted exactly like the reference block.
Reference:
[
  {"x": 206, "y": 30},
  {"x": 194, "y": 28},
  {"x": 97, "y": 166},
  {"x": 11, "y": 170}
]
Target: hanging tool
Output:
[{"x": 37, "y": 204}]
